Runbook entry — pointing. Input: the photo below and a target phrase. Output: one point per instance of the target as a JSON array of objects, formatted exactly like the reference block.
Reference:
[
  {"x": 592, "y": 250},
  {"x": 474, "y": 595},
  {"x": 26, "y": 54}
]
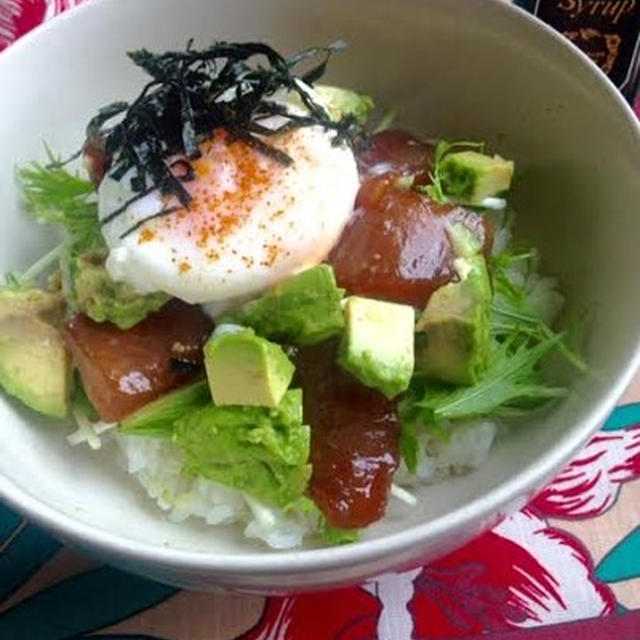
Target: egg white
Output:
[{"x": 252, "y": 223}]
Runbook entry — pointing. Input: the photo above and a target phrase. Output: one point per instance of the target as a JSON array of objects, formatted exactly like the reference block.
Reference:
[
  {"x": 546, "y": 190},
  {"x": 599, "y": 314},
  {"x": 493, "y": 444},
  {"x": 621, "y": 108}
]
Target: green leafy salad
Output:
[{"x": 231, "y": 305}]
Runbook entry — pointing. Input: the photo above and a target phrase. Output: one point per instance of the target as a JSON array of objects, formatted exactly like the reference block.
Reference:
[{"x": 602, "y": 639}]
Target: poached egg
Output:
[{"x": 251, "y": 223}]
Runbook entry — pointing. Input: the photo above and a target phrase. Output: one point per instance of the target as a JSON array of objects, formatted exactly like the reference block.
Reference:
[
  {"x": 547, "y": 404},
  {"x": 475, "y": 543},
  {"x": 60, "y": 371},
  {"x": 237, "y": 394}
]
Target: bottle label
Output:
[{"x": 608, "y": 31}]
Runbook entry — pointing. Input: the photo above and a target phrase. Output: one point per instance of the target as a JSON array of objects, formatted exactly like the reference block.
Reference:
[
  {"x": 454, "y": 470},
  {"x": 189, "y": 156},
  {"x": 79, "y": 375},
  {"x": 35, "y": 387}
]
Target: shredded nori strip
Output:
[
  {"x": 163, "y": 212},
  {"x": 193, "y": 92}
]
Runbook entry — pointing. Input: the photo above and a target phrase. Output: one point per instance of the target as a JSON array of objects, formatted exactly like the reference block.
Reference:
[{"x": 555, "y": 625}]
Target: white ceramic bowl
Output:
[{"x": 455, "y": 68}]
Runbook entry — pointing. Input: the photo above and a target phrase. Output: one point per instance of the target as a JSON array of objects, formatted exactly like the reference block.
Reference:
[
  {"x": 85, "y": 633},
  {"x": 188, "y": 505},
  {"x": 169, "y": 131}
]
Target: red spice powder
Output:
[{"x": 146, "y": 235}]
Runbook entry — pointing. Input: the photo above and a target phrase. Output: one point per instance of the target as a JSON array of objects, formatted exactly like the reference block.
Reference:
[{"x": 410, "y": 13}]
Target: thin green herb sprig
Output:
[
  {"x": 511, "y": 386},
  {"x": 193, "y": 92},
  {"x": 511, "y": 381},
  {"x": 15, "y": 281},
  {"x": 53, "y": 194},
  {"x": 511, "y": 308}
]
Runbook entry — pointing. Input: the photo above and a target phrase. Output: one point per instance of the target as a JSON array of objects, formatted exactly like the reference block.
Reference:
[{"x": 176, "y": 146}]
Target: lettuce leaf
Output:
[
  {"x": 335, "y": 536},
  {"x": 261, "y": 451},
  {"x": 331, "y": 535},
  {"x": 156, "y": 419}
]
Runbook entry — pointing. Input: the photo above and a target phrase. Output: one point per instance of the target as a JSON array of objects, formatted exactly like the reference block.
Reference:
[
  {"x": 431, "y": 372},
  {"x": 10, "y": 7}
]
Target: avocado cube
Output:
[
  {"x": 303, "y": 310},
  {"x": 245, "y": 369},
  {"x": 452, "y": 335},
  {"x": 470, "y": 177},
  {"x": 377, "y": 344},
  {"x": 342, "y": 102},
  {"x": 34, "y": 364}
]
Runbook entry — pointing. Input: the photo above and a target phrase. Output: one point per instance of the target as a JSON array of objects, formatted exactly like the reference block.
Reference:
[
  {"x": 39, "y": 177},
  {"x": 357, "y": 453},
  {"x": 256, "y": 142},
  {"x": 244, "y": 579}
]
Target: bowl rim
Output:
[{"x": 303, "y": 561}]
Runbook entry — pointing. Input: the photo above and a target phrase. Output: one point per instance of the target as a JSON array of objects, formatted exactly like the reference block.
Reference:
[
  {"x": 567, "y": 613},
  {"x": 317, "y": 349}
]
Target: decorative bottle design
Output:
[{"x": 608, "y": 31}]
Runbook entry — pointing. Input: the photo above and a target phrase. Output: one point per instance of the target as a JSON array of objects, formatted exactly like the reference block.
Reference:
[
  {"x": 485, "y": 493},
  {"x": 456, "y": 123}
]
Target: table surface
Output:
[{"x": 567, "y": 564}]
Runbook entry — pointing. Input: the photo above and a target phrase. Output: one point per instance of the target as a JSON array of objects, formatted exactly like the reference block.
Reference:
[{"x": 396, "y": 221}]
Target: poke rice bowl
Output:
[{"x": 450, "y": 69}]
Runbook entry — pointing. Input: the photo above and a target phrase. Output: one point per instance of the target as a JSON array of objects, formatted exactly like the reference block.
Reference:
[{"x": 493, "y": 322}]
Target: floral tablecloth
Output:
[{"x": 567, "y": 565}]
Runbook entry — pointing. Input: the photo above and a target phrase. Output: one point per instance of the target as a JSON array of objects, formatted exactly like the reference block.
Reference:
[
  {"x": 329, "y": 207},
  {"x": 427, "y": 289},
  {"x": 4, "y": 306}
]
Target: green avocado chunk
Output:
[
  {"x": 470, "y": 177},
  {"x": 105, "y": 300},
  {"x": 245, "y": 369},
  {"x": 304, "y": 310},
  {"x": 261, "y": 451},
  {"x": 377, "y": 344},
  {"x": 34, "y": 364},
  {"x": 345, "y": 102},
  {"x": 452, "y": 335}
]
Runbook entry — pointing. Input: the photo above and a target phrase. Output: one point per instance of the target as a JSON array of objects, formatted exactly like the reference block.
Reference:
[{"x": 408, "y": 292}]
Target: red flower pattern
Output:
[
  {"x": 589, "y": 485},
  {"x": 521, "y": 574},
  {"x": 19, "y": 16},
  {"x": 345, "y": 614},
  {"x": 524, "y": 573}
]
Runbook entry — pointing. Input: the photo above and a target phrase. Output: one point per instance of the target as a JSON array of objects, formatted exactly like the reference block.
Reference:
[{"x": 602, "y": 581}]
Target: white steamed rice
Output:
[
  {"x": 466, "y": 449},
  {"x": 156, "y": 463}
]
